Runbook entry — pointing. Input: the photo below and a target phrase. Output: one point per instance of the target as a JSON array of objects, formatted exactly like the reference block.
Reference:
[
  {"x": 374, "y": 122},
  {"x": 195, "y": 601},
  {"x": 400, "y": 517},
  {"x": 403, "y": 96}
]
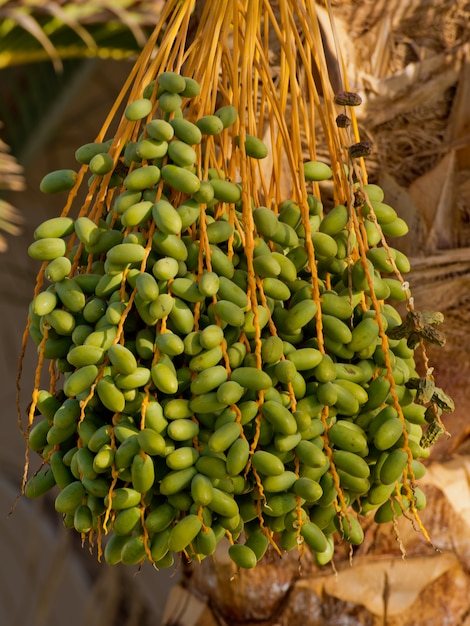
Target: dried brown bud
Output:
[
  {"x": 431, "y": 414},
  {"x": 413, "y": 340},
  {"x": 432, "y": 317},
  {"x": 121, "y": 169},
  {"x": 348, "y": 98},
  {"x": 424, "y": 389},
  {"x": 443, "y": 400},
  {"x": 433, "y": 335},
  {"x": 419, "y": 325},
  {"x": 361, "y": 149},
  {"x": 431, "y": 435},
  {"x": 343, "y": 121}
]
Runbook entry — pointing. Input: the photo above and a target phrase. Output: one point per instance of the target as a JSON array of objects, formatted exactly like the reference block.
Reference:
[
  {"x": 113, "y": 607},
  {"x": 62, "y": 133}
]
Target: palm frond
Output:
[
  {"x": 11, "y": 172},
  {"x": 57, "y": 29},
  {"x": 11, "y": 179}
]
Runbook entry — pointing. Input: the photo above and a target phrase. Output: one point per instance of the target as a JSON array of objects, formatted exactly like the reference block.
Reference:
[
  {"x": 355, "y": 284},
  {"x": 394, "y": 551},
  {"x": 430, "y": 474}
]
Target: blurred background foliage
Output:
[{"x": 43, "y": 46}]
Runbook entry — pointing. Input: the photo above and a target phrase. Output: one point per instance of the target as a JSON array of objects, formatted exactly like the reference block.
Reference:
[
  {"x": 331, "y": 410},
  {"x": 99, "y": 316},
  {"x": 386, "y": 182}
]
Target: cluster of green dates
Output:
[{"x": 185, "y": 413}]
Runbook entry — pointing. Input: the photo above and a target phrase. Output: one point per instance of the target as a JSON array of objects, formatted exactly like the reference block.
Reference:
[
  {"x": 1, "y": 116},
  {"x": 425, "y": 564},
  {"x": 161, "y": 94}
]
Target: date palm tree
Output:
[{"x": 420, "y": 148}]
